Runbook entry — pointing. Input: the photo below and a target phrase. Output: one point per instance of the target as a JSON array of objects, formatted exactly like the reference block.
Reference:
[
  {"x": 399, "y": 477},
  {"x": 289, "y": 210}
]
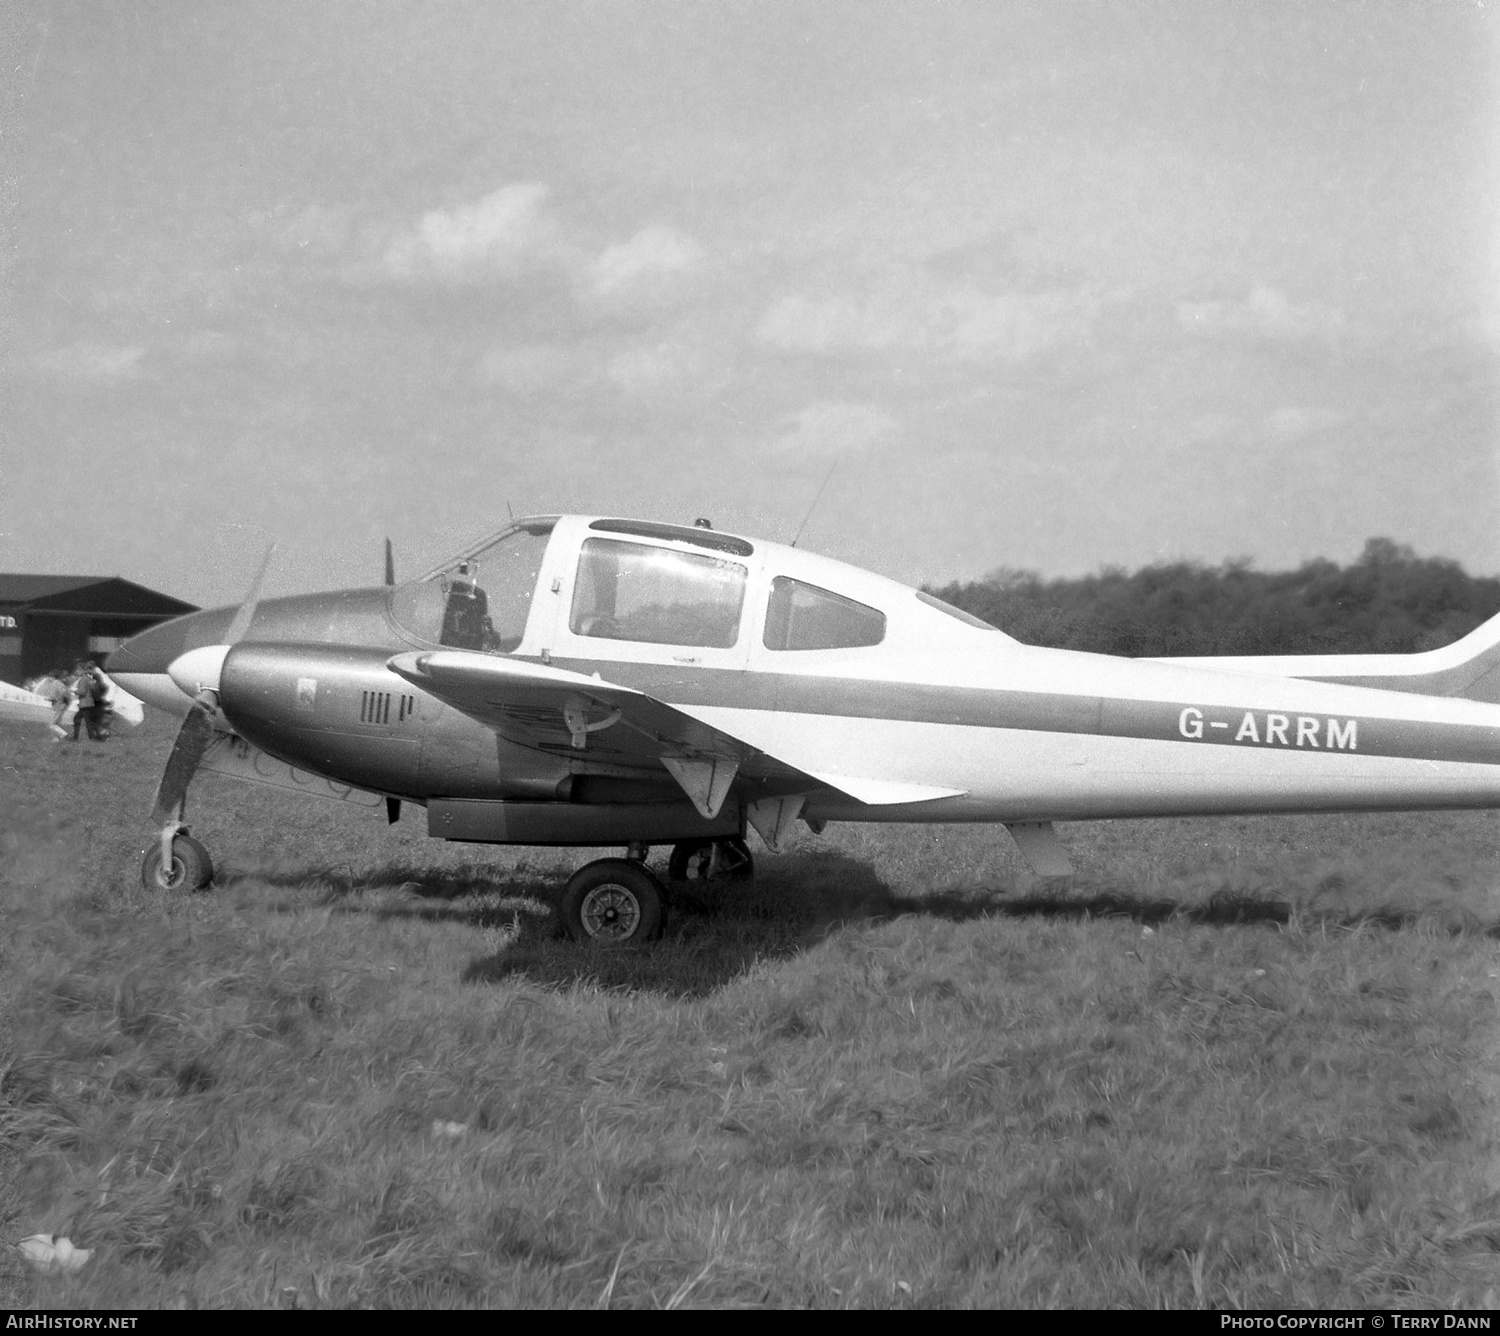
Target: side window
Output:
[
  {"x": 802, "y": 616},
  {"x": 628, "y": 591}
]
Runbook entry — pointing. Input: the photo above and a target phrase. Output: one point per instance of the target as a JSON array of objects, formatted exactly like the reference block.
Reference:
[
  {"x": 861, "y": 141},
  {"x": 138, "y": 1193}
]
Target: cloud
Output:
[
  {"x": 647, "y": 371},
  {"x": 651, "y": 256},
  {"x": 671, "y": 368},
  {"x": 1287, "y": 424},
  {"x": 1212, "y": 429},
  {"x": 1264, "y": 314},
  {"x": 499, "y": 236},
  {"x": 317, "y": 231},
  {"x": 511, "y": 237},
  {"x": 532, "y": 369},
  {"x": 94, "y": 363},
  {"x": 957, "y": 322},
  {"x": 827, "y": 429}
]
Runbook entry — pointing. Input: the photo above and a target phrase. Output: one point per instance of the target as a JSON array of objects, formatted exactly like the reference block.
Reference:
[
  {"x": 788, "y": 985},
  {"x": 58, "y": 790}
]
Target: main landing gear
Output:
[
  {"x": 614, "y": 902},
  {"x": 621, "y": 902},
  {"x": 710, "y": 862},
  {"x": 611, "y": 901}
]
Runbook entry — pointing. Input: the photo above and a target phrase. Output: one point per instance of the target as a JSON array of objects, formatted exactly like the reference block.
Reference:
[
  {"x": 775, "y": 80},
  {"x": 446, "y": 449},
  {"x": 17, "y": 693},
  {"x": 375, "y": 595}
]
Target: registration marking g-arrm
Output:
[{"x": 1267, "y": 728}]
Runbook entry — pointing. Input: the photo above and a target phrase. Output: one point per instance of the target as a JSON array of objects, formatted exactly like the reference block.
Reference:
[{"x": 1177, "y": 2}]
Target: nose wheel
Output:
[
  {"x": 614, "y": 902},
  {"x": 190, "y": 868}
]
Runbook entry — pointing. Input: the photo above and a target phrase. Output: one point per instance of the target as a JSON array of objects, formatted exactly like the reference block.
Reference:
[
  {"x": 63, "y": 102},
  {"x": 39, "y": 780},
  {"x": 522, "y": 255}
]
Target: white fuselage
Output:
[{"x": 1041, "y": 734}]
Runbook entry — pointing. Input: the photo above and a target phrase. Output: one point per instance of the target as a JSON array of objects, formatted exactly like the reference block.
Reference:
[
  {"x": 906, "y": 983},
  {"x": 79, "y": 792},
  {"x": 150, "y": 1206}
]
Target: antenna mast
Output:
[{"x": 818, "y": 496}]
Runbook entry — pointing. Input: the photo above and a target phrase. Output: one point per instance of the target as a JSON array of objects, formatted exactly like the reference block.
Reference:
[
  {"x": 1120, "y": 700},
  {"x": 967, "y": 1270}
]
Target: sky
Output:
[{"x": 1038, "y": 286}]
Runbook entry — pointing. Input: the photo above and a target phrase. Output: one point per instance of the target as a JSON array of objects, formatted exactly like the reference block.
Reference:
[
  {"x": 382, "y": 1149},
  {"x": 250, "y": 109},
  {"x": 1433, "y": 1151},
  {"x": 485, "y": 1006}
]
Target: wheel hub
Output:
[{"x": 610, "y": 911}]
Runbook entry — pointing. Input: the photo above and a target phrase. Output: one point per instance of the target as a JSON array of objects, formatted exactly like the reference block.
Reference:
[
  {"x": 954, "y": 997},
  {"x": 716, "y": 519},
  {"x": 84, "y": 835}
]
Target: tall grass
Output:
[{"x": 1233, "y": 1063}]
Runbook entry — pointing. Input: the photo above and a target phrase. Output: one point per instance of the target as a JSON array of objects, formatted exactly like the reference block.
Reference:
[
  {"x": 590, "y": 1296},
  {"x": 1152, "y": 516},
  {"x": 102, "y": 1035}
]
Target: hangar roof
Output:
[{"x": 107, "y": 595}]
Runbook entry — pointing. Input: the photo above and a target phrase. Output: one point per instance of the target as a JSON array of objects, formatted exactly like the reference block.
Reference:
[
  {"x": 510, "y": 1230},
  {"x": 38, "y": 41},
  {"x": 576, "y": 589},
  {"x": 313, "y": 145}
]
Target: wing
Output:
[
  {"x": 24, "y": 706},
  {"x": 552, "y": 709},
  {"x": 126, "y": 707}
]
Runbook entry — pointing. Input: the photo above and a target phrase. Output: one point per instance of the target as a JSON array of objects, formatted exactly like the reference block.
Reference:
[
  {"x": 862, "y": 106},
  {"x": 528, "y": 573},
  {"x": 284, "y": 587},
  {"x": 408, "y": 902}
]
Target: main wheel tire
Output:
[
  {"x": 614, "y": 902},
  {"x": 711, "y": 862},
  {"x": 192, "y": 869}
]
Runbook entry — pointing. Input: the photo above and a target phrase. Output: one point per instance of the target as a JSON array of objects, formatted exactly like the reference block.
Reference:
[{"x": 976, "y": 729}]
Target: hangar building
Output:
[{"x": 52, "y": 621}]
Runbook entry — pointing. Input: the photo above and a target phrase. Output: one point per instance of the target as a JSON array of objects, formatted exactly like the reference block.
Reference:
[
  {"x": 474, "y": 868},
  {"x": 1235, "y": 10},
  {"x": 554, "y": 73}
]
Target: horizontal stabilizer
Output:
[{"x": 1469, "y": 668}]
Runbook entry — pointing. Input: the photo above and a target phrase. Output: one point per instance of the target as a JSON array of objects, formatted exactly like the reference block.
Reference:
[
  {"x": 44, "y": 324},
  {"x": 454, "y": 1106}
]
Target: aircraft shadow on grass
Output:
[{"x": 713, "y": 938}]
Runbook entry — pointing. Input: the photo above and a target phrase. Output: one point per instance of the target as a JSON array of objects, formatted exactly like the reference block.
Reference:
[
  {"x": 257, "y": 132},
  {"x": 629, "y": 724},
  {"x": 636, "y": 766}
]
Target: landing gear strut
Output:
[
  {"x": 614, "y": 902},
  {"x": 708, "y": 862},
  {"x": 190, "y": 869}
]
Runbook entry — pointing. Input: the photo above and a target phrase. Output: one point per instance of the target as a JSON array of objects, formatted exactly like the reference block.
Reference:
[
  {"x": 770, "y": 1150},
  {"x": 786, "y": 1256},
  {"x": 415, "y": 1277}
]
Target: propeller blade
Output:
[
  {"x": 390, "y": 564},
  {"x": 246, "y": 613},
  {"x": 193, "y": 737},
  {"x": 196, "y": 672}
]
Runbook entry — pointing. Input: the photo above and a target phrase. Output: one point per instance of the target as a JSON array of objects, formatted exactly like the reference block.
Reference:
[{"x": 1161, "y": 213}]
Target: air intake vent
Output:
[{"x": 375, "y": 707}]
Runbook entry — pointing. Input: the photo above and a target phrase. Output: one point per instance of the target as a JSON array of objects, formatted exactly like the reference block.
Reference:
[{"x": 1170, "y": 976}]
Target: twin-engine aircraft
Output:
[{"x": 587, "y": 681}]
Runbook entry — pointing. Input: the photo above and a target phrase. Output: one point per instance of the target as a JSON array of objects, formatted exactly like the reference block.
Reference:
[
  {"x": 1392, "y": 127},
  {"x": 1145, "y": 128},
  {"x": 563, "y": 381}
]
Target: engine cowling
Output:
[{"x": 340, "y": 711}]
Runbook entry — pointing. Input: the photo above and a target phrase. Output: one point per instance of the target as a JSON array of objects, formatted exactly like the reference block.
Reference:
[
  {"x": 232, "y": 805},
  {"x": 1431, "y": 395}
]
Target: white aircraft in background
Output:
[
  {"x": 580, "y": 680},
  {"x": 23, "y": 706}
]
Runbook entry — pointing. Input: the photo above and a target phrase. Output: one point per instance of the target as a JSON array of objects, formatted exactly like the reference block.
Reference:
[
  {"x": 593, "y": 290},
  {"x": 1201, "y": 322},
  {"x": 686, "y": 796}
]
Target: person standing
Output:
[
  {"x": 82, "y": 687},
  {"x": 54, "y": 688},
  {"x": 94, "y": 713},
  {"x": 104, "y": 710}
]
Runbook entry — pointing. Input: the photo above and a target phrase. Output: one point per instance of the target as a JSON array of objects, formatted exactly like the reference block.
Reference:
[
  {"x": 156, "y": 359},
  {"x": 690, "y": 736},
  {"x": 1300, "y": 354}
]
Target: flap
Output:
[{"x": 885, "y": 792}]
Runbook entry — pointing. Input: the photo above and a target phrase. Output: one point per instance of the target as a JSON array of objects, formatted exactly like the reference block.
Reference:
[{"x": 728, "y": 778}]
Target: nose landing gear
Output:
[{"x": 189, "y": 869}]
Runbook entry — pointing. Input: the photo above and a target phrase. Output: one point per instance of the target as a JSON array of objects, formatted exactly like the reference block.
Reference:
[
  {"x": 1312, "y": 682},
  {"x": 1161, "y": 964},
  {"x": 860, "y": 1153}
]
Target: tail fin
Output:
[{"x": 1469, "y": 668}]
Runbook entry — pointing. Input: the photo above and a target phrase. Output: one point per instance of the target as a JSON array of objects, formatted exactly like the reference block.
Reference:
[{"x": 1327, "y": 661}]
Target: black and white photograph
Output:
[{"x": 763, "y": 654}]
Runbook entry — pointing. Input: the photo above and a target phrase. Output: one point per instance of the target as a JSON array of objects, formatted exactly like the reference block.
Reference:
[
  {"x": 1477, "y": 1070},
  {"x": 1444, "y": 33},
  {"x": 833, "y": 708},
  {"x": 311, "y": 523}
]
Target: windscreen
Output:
[{"x": 481, "y": 602}]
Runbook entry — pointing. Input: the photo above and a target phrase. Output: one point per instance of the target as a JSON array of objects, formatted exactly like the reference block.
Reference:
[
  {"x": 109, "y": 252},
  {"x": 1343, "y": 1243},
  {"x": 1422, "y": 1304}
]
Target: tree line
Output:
[{"x": 1388, "y": 601}]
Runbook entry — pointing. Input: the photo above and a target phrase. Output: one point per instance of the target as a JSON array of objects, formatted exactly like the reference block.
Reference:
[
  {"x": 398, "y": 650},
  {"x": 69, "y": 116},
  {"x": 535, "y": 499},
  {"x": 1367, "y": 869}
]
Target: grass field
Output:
[{"x": 1235, "y": 1063}]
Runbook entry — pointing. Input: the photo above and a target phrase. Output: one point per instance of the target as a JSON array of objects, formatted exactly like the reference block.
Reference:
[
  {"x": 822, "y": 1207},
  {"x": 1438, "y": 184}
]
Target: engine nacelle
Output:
[{"x": 336, "y": 710}]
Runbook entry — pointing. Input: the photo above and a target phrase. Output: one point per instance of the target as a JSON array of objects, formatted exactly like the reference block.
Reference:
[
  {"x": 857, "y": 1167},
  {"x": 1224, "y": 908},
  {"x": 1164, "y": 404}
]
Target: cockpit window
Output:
[
  {"x": 802, "y": 616},
  {"x": 628, "y": 591},
  {"x": 481, "y": 602}
]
